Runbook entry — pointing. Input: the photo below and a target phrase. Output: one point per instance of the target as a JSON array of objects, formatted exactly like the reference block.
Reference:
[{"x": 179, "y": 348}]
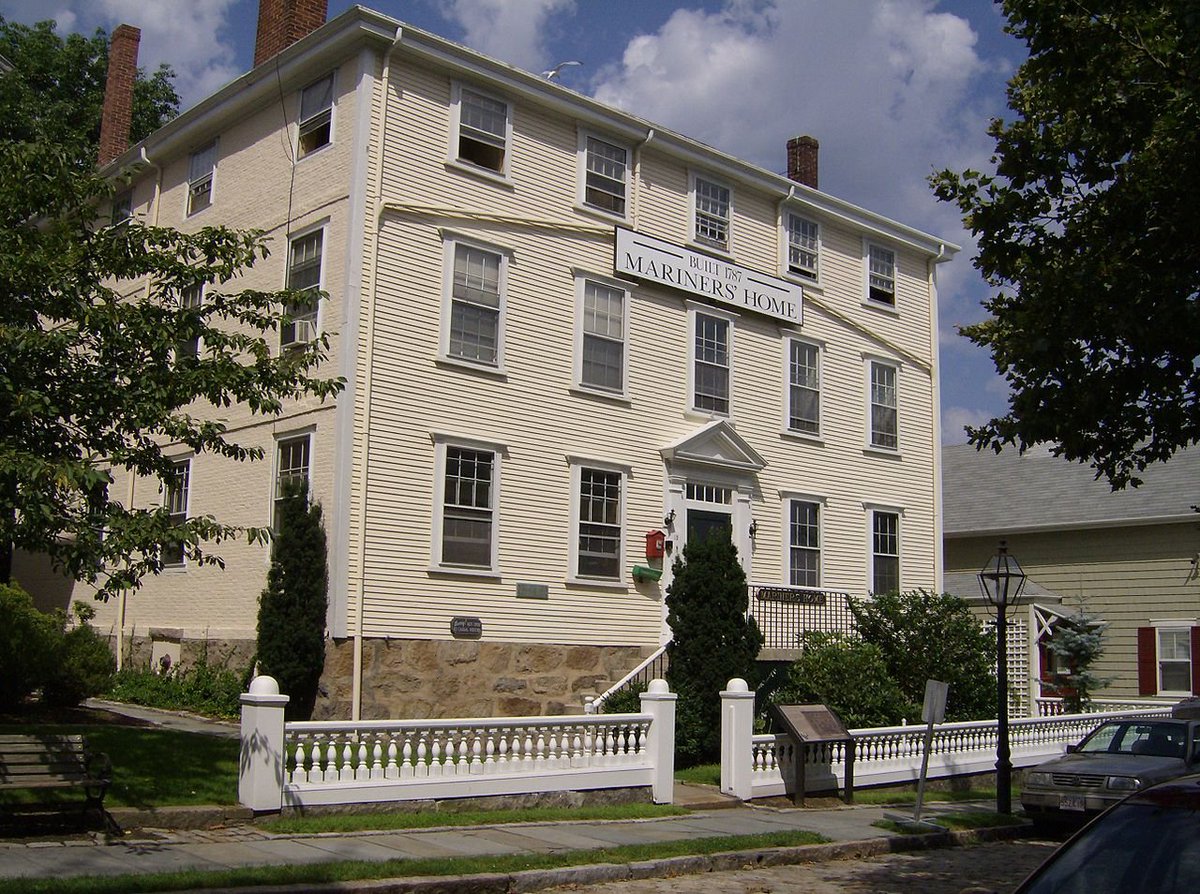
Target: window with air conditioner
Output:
[{"x": 304, "y": 278}]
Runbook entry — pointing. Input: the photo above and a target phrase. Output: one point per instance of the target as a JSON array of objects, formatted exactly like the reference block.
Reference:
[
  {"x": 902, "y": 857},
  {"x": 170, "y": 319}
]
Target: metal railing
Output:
[{"x": 785, "y": 614}]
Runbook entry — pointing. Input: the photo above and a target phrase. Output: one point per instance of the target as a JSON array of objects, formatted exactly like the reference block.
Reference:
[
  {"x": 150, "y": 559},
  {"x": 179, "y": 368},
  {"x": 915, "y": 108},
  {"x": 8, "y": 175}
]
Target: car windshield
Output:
[
  {"x": 1137, "y": 737},
  {"x": 1133, "y": 848}
]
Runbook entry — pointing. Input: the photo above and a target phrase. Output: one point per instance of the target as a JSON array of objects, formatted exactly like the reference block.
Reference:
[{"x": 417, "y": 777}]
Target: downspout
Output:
[
  {"x": 369, "y": 325},
  {"x": 637, "y": 175},
  {"x": 935, "y": 384}
]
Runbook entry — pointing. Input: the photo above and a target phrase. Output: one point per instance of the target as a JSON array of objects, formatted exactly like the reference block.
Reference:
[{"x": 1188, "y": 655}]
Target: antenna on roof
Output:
[{"x": 553, "y": 73}]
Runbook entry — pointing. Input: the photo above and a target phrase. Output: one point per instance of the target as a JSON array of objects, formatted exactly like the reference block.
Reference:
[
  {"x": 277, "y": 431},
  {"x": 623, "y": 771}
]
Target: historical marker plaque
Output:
[
  {"x": 462, "y": 627},
  {"x": 810, "y": 725}
]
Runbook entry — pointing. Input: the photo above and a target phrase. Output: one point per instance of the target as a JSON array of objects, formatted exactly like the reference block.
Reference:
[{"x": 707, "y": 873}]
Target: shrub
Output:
[
  {"x": 84, "y": 663},
  {"x": 851, "y": 677},
  {"x": 713, "y": 641},
  {"x": 291, "y": 611},
  {"x": 201, "y": 688},
  {"x": 1077, "y": 643},
  {"x": 27, "y": 646},
  {"x": 627, "y": 701}
]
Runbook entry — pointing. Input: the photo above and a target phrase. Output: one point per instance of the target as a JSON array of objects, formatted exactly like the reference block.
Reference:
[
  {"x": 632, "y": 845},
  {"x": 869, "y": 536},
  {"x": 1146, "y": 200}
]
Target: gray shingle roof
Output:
[{"x": 984, "y": 492}]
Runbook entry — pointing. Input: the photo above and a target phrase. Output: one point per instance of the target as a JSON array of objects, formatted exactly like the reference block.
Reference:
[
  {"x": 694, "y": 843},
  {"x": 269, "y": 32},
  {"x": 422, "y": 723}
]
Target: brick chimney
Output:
[
  {"x": 283, "y": 22},
  {"x": 802, "y": 160},
  {"x": 117, "y": 114}
]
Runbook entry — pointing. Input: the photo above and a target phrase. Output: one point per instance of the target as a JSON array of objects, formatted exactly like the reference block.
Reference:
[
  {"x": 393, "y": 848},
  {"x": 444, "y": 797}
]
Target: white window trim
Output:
[
  {"x": 578, "y": 464},
  {"x": 694, "y": 308},
  {"x": 581, "y": 203},
  {"x": 867, "y": 300},
  {"x": 212, "y": 180},
  {"x": 182, "y": 564},
  {"x": 332, "y": 115},
  {"x": 788, "y": 431},
  {"x": 869, "y": 510},
  {"x": 785, "y": 245},
  {"x": 319, "y": 324},
  {"x": 870, "y": 360},
  {"x": 693, "y": 240},
  {"x": 453, "y": 159},
  {"x": 279, "y": 437},
  {"x": 786, "y": 498},
  {"x": 498, "y": 451},
  {"x": 450, "y": 241},
  {"x": 199, "y": 340},
  {"x": 581, "y": 280},
  {"x": 1175, "y": 625}
]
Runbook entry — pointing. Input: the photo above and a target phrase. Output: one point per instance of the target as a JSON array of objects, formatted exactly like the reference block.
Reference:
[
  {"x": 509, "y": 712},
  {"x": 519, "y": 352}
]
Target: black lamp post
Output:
[{"x": 1002, "y": 581}]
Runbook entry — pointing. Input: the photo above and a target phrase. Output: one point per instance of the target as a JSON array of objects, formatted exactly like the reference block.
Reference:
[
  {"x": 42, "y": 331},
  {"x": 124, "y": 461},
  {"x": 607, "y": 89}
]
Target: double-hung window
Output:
[
  {"x": 189, "y": 299},
  {"x": 304, "y": 276},
  {"x": 885, "y": 552},
  {"x": 292, "y": 464},
  {"x": 803, "y": 247},
  {"x": 605, "y": 175},
  {"x": 712, "y": 204},
  {"x": 316, "y": 116},
  {"x": 175, "y": 498},
  {"x": 1174, "y": 659},
  {"x": 804, "y": 388},
  {"x": 475, "y": 327},
  {"x": 467, "y": 537},
  {"x": 884, "y": 432},
  {"x": 201, "y": 165},
  {"x": 598, "y": 523},
  {"x": 603, "y": 317},
  {"x": 122, "y": 207},
  {"x": 804, "y": 543},
  {"x": 881, "y": 275},
  {"x": 484, "y": 129},
  {"x": 712, "y": 357}
]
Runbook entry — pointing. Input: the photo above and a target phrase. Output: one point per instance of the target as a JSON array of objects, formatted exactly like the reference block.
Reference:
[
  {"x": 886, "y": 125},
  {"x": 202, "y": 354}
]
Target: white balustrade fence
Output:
[
  {"x": 759, "y": 766},
  {"x": 341, "y": 762}
]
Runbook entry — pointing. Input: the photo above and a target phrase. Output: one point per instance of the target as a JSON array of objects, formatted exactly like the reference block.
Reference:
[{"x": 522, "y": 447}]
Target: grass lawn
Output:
[
  {"x": 702, "y": 774},
  {"x": 358, "y": 870},
  {"x": 970, "y": 819}
]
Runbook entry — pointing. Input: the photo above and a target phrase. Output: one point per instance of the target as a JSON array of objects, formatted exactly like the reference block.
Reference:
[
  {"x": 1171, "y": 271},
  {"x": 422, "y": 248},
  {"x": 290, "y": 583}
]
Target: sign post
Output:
[{"x": 932, "y": 711}]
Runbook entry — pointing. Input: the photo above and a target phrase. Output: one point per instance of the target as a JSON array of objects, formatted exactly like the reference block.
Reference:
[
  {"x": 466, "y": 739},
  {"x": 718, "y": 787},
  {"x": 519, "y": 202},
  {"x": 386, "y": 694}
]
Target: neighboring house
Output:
[
  {"x": 568, "y": 335},
  {"x": 1128, "y": 558}
]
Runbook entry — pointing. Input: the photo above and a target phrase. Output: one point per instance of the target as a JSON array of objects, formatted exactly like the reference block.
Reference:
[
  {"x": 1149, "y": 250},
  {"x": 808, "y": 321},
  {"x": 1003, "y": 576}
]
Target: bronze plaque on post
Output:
[{"x": 811, "y": 724}]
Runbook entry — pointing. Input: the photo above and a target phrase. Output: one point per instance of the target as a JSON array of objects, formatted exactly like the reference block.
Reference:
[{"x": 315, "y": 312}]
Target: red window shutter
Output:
[
  {"x": 1147, "y": 661},
  {"x": 1196, "y": 661}
]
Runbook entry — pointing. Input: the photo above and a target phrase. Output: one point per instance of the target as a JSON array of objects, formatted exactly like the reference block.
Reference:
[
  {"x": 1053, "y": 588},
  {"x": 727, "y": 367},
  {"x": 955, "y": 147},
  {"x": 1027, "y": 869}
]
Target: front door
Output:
[{"x": 705, "y": 523}]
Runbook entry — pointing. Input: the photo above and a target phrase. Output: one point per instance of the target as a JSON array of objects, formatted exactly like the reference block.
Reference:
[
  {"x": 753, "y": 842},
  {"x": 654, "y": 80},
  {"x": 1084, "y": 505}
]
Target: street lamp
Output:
[{"x": 1001, "y": 581}]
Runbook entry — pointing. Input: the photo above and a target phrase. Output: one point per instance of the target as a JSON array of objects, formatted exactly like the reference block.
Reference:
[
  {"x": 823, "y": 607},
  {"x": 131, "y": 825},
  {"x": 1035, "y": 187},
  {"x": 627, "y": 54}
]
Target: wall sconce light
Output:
[
  {"x": 753, "y": 528},
  {"x": 669, "y": 518}
]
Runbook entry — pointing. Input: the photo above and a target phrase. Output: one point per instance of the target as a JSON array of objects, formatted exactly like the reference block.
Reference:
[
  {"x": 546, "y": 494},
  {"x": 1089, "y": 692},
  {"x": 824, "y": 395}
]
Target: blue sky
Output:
[{"x": 892, "y": 89}]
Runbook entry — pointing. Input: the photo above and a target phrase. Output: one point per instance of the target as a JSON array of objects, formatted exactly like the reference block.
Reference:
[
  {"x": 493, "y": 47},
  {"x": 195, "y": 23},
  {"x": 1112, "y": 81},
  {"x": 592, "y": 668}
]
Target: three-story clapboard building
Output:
[{"x": 571, "y": 339}]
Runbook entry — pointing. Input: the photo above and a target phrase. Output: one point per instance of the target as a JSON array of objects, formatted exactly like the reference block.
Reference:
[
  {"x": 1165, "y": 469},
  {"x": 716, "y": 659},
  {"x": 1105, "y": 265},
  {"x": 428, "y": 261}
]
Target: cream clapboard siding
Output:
[
  {"x": 251, "y": 190},
  {"x": 1123, "y": 575},
  {"x": 414, "y": 397}
]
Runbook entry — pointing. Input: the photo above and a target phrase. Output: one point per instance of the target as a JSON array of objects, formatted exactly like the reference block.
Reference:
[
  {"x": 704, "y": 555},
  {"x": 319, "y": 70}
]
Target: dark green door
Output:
[{"x": 702, "y": 524}]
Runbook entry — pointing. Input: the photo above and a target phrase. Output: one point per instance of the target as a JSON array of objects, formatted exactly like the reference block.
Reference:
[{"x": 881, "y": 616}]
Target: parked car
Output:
[
  {"x": 1115, "y": 759},
  {"x": 1146, "y": 843}
]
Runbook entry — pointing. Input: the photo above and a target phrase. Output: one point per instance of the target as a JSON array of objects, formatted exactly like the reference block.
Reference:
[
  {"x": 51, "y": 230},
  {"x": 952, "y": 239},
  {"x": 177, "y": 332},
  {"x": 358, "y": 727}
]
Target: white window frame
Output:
[
  {"x": 697, "y": 216},
  {"x": 450, "y": 248},
  {"x": 789, "y": 384},
  {"x": 788, "y": 500},
  {"x": 201, "y": 182},
  {"x": 872, "y": 512},
  {"x": 277, "y": 473},
  {"x": 578, "y": 465},
  {"x": 442, "y": 444},
  {"x": 583, "y": 171},
  {"x": 868, "y": 298},
  {"x": 307, "y": 323},
  {"x": 184, "y": 465},
  {"x": 582, "y": 281},
  {"x": 1175, "y": 628},
  {"x": 456, "y": 158},
  {"x": 791, "y": 218},
  {"x": 193, "y": 296},
  {"x": 317, "y": 121},
  {"x": 122, "y": 207},
  {"x": 694, "y": 312},
  {"x": 870, "y": 365}
]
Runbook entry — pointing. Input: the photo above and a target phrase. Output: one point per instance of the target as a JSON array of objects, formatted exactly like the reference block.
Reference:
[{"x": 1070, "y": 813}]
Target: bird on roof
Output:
[{"x": 556, "y": 70}]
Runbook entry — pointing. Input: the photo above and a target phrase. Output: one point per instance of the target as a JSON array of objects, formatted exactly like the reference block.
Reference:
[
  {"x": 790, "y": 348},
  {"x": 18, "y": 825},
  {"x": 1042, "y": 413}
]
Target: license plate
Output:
[{"x": 1071, "y": 802}]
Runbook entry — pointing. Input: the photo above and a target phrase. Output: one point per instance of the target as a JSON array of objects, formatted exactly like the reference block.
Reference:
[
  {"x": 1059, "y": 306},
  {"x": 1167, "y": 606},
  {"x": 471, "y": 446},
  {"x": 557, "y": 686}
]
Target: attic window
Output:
[
  {"x": 200, "y": 177},
  {"x": 316, "y": 115},
  {"x": 482, "y": 130}
]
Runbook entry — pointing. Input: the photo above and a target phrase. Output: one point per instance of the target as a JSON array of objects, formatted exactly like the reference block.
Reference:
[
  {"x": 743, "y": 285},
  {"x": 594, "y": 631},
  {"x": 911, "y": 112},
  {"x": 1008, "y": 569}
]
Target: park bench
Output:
[{"x": 55, "y": 762}]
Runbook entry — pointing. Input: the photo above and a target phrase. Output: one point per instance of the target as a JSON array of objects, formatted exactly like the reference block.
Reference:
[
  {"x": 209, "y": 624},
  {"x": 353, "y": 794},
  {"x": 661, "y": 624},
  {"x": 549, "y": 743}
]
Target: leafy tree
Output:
[
  {"x": 928, "y": 636},
  {"x": 713, "y": 640},
  {"x": 291, "y": 611},
  {"x": 851, "y": 677},
  {"x": 55, "y": 91},
  {"x": 91, "y": 379},
  {"x": 1077, "y": 643},
  {"x": 1088, "y": 231}
]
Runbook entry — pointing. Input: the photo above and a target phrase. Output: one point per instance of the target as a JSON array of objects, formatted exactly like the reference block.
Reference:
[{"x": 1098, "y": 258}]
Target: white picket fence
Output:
[{"x": 303, "y": 764}]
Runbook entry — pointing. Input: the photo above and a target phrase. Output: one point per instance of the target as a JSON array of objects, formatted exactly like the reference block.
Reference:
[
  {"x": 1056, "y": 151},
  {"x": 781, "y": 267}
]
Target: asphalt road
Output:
[{"x": 998, "y": 867}]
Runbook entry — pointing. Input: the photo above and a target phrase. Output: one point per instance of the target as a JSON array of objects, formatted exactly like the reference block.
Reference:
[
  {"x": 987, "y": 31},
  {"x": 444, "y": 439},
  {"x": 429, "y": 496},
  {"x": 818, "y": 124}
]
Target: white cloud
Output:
[
  {"x": 512, "y": 30},
  {"x": 955, "y": 418}
]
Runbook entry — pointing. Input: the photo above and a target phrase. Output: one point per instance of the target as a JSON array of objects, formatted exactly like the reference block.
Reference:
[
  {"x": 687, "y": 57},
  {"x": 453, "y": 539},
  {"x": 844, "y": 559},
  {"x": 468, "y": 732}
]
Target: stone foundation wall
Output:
[
  {"x": 144, "y": 650},
  {"x": 466, "y": 678}
]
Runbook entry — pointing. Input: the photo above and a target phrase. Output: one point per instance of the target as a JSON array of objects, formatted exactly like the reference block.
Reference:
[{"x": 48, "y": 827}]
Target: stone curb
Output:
[
  {"x": 190, "y": 818},
  {"x": 531, "y": 880}
]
